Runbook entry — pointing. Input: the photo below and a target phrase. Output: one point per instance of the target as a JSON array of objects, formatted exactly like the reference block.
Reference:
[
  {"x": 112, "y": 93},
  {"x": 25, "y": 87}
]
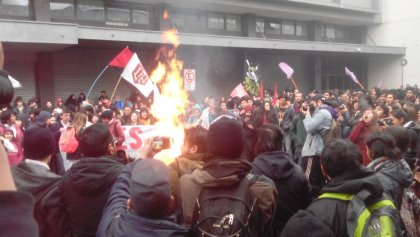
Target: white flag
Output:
[{"x": 137, "y": 76}]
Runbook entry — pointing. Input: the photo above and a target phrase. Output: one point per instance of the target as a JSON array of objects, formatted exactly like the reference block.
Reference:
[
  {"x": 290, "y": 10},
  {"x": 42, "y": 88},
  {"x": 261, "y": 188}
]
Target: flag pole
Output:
[
  {"x": 115, "y": 89},
  {"x": 294, "y": 83},
  {"x": 97, "y": 78},
  {"x": 361, "y": 86}
]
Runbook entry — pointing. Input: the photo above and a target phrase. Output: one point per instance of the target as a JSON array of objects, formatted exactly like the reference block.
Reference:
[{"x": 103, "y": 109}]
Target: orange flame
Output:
[
  {"x": 169, "y": 107},
  {"x": 165, "y": 15}
]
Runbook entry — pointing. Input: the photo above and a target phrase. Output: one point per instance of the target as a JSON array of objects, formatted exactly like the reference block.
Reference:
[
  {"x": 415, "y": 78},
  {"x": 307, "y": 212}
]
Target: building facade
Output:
[{"x": 58, "y": 47}]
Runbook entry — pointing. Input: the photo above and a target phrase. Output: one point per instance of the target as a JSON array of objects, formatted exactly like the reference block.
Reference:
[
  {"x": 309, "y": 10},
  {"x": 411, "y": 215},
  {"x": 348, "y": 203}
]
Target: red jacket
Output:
[
  {"x": 115, "y": 128},
  {"x": 358, "y": 136}
]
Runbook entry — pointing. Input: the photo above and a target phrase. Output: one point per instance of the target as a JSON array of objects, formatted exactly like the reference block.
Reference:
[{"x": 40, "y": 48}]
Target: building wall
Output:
[{"x": 399, "y": 27}]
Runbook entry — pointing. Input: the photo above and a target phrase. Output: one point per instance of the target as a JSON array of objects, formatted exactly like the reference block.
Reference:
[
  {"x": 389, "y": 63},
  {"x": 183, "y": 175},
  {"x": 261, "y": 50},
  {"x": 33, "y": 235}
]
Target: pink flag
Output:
[
  {"x": 137, "y": 76},
  {"x": 286, "y": 69},
  {"x": 351, "y": 74},
  {"x": 239, "y": 91}
]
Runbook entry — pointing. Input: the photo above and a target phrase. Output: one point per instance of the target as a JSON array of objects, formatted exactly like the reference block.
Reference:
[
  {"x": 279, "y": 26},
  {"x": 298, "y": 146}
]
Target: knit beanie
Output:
[{"x": 225, "y": 137}]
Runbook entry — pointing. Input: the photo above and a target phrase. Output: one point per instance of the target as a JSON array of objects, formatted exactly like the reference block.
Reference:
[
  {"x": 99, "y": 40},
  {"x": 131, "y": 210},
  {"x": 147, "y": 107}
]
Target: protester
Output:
[
  {"x": 114, "y": 126},
  {"x": 79, "y": 125},
  {"x": 12, "y": 146},
  {"x": 85, "y": 187},
  {"x": 146, "y": 186},
  {"x": 316, "y": 126},
  {"x": 342, "y": 167},
  {"x": 33, "y": 175},
  {"x": 194, "y": 151},
  {"x": 366, "y": 126},
  {"x": 386, "y": 159},
  {"x": 276, "y": 164},
  {"x": 226, "y": 170}
]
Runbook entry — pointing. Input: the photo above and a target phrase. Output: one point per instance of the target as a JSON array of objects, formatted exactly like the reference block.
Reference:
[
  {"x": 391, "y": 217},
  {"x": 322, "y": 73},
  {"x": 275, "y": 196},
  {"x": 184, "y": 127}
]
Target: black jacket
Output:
[
  {"x": 118, "y": 221},
  {"x": 291, "y": 184},
  {"x": 16, "y": 214},
  {"x": 333, "y": 212},
  {"x": 42, "y": 184},
  {"x": 84, "y": 190}
]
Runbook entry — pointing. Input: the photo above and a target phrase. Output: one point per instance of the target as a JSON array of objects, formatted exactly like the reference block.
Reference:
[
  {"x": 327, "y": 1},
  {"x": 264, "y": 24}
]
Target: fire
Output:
[{"x": 169, "y": 107}]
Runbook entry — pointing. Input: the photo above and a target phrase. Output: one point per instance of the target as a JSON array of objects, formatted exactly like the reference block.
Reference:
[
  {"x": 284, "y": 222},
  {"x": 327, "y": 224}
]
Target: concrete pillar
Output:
[
  {"x": 318, "y": 72},
  {"x": 249, "y": 22},
  {"x": 44, "y": 77},
  {"x": 42, "y": 10}
]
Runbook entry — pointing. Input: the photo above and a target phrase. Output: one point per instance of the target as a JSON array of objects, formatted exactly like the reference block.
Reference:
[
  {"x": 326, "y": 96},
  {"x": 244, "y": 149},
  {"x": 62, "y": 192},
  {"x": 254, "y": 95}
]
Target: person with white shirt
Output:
[{"x": 33, "y": 175}]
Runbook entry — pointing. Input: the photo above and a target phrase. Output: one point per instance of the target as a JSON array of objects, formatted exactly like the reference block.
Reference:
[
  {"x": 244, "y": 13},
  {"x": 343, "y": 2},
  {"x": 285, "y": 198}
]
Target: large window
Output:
[
  {"x": 196, "y": 23},
  {"x": 260, "y": 26},
  {"x": 288, "y": 27},
  {"x": 274, "y": 28},
  {"x": 233, "y": 22},
  {"x": 15, "y": 8},
  {"x": 301, "y": 29},
  {"x": 91, "y": 10},
  {"x": 216, "y": 21},
  {"x": 62, "y": 9},
  {"x": 141, "y": 17},
  {"x": 178, "y": 20},
  {"x": 118, "y": 15}
]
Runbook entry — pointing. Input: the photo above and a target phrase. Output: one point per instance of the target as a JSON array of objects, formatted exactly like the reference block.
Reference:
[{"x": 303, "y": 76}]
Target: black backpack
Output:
[{"x": 226, "y": 211}]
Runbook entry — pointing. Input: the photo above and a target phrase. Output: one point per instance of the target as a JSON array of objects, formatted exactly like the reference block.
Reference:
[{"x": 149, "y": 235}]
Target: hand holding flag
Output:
[{"x": 353, "y": 77}]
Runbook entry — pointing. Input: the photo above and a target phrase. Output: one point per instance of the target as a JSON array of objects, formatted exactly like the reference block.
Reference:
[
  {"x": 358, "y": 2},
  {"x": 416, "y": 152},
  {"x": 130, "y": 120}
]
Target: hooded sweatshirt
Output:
[
  {"x": 395, "y": 176},
  {"x": 290, "y": 183},
  {"x": 85, "y": 189}
]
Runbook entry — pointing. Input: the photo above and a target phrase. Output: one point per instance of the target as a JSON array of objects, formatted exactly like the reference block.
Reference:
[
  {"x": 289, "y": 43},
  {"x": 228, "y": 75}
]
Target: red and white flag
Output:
[
  {"x": 137, "y": 76},
  {"x": 121, "y": 60},
  {"x": 239, "y": 91}
]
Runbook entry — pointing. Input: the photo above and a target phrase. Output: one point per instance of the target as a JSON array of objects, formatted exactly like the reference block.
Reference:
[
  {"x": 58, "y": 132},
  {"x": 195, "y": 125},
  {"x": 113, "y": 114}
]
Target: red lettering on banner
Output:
[
  {"x": 139, "y": 75},
  {"x": 124, "y": 147},
  {"x": 134, "y": 131}
]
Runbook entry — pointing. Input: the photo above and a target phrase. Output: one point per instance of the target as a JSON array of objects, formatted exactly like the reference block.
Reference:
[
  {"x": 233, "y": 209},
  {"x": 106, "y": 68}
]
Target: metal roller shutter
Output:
[
  {"x": 76, "y": 69},
  {"x": 23, "y": 71}
]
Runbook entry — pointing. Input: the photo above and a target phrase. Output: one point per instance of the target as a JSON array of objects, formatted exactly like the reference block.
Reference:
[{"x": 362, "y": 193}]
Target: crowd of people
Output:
[{"x": 286, "y": 159}]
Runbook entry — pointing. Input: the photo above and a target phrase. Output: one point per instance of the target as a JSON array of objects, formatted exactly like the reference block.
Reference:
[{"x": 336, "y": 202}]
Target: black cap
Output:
[
  {"x": 150, "y": 189},
  {"x": 107, "y": 114}
]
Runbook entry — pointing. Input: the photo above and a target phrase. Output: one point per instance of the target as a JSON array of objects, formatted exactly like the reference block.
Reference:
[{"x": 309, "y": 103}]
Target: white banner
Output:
[{"x": 189, "y": 79}]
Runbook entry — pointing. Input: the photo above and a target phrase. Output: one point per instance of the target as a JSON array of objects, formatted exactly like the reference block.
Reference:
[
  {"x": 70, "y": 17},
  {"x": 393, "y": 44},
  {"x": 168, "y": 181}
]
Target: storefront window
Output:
[
  {"x": 178, "y": 20},
  {"x": 196, "y": 23},
  {"x": 62, "y": 9},
  {"x": 330, "y": 31},
  {"x": 141, "y": 17},
  {"x": 15, "y": 7},
  {"x": 91, "y": 10}
]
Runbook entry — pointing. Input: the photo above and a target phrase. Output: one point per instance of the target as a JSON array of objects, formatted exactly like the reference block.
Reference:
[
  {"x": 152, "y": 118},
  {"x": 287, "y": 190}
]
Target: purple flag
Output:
[{"x": 286, "y": 69}]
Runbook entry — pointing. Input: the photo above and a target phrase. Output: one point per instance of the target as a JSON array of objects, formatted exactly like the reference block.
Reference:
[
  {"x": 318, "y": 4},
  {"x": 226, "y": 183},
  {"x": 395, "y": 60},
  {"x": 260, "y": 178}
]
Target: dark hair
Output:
[
  {"x": 269, "y": 138},
  {"x": 400, "y": 114},
  {"x": 340, "y": 155},
  {"x": 384, "y": 108},
  {"x": 95, "y": 139},
  {"x": 38, "y": 143},
  {"x": 197, "y": 136},
  {"x": 382, "y": 144},
  {"x": 401, "y": 137}
]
